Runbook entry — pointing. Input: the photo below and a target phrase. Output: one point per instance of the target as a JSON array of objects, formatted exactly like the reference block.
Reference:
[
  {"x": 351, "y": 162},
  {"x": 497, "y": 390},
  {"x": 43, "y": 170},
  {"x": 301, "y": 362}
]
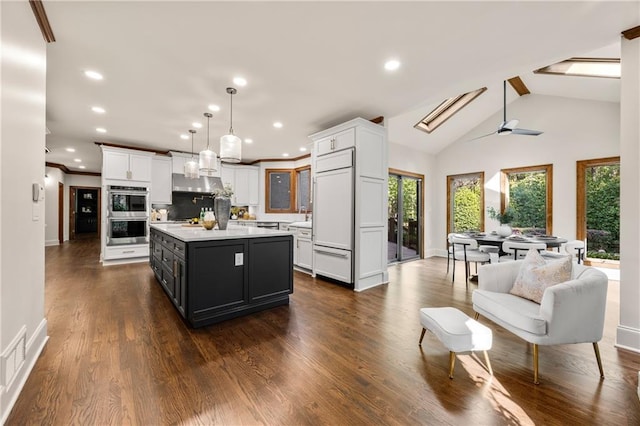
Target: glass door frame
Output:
[{"x": 419, "y": 178}]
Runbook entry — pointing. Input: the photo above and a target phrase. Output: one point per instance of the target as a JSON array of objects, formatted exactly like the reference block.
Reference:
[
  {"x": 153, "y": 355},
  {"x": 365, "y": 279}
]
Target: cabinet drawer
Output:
[
  {"x": 167, "y": 280},
  {"x": 157, "y": 251},
  {"x": 304, "y": 234},
  {"x": 166, "y": 240},
  {"x": 167, "y": 258},
  {"x": 337, "y": 142},
  {"x": 111, "y": 253},
  {"x": 332, "y": 263},
  {"x": 337, "y": 160},
  {"x": 179, "y": 248}
]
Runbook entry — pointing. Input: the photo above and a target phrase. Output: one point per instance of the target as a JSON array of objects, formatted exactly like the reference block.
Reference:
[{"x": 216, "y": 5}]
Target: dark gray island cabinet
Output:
[{"x": 212, "y": 276}]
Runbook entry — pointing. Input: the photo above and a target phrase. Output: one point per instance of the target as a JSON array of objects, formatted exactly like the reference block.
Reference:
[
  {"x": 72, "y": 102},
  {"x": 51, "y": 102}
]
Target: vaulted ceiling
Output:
[{"x": 309, "y": 65}]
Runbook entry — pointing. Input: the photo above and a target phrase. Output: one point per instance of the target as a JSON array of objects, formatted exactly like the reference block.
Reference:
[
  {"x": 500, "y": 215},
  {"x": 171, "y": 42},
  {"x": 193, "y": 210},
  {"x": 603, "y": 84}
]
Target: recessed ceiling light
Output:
[
  {"x": 277, "y": 125},
  {"x": 240, "y": 81},
  {"x": 94, "y": 75},
  {"x": 392, "y": 65},
  {"x": 214, "y": 108},
  {"x": 286, "y": 154},
  {"x": 82, "y": 167},
  {"x": 303, "y": 149},
  {"x": 98, "y": 110},
  {"x": 184, "y": 137},
  {"x": 77, "y": 160},
  {"x": 70, "y": 149},
  {"x": 101, "y": 130},
  {"x": 248, "y": 140},
  {"x": 196, "y": 125}
]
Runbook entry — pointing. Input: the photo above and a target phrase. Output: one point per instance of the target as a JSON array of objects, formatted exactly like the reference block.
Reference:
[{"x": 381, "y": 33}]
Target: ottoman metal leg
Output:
[
  {"x": 452, "y": 363},
  {"x": 424, "y": 330},
  {"x": 476, "y": 316},
  {"x": 486, "y": 359}
]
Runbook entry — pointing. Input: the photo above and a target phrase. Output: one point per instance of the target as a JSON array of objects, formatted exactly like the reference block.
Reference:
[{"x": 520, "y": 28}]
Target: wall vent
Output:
[{"x": 12, "y": 359}]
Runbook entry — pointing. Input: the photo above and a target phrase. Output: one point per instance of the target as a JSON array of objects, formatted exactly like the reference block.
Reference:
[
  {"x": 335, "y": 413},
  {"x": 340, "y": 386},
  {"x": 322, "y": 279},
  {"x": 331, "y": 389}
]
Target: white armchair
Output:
[{"x": 569, "y": 312}]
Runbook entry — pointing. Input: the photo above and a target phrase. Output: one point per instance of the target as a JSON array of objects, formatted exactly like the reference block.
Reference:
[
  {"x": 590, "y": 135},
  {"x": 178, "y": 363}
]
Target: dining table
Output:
[{"x": 491, "y": 239}]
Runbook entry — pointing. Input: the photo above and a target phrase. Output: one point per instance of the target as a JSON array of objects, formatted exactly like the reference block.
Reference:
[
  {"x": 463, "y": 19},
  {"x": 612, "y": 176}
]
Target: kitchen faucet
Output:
[{"x": 306, "y": 213}]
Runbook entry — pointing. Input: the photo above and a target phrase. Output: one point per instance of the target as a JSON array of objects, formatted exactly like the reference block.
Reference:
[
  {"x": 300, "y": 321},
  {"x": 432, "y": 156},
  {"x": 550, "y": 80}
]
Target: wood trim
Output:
[
  {"x": 519, "y": 86},
  {"x": 60, "y": 212},
  {"x": 292, "y": 190},
  {"x": 265, "y": 160},
  {"x": 377, "y": 120},
  {"x": 450, "y": 179},
  {"x": 66, "y": 170},
  {"x": 137, "y": 148},
  {"x": 631, "y": 33},
  {"x": 421, "y": 206},
  {"x": 581, "y": 193},
  {"x": 43, "y": 22},
  {"x": 504, "y": 183}
]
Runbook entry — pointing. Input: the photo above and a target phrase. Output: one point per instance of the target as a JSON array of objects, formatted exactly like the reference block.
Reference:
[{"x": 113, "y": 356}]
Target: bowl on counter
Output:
[{"x": 208, "y": 224}]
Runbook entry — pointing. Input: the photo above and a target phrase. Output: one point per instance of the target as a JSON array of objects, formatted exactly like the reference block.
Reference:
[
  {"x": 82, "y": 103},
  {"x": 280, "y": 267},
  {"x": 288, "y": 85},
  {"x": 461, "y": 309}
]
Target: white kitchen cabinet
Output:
[
  {"x": 245, "y": 183},
  {"x": 303, "y": 249},
  {"x": 349, "y": 168},
  {"x": 161, "y": 168},
  {"x": 126, "y": 165}
]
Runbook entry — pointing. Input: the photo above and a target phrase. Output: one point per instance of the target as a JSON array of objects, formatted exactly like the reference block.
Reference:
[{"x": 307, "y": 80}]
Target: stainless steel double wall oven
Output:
[{"x": 127, "y": 215}]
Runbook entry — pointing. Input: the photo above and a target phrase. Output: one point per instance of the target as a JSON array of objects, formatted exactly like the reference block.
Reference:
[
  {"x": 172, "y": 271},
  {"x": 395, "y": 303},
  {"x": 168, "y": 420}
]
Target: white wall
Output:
[
  {"x": 76, "y": 180},
  {"x": 55, "y": 176},
  {"x": 573, "y": 130},
  {"x": 23, "y": 328}
]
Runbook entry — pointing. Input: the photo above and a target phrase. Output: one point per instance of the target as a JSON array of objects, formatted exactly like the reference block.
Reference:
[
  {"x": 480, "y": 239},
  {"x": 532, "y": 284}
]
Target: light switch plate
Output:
[{"x": 239, "y": 259}]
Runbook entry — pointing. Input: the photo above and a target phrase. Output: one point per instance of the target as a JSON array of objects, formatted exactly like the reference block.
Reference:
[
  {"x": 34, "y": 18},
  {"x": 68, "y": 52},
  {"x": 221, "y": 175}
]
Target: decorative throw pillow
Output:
[{"x": 536, "y": 275}]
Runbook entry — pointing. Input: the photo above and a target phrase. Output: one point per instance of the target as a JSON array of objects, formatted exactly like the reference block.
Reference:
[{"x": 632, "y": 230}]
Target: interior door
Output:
[{"x": 404, "y": 218}]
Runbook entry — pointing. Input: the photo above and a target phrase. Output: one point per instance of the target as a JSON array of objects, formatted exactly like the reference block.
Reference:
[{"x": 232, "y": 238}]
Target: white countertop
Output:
[
  {"x": 189, "y": 234},
  {"x": 304, "y": 224}
]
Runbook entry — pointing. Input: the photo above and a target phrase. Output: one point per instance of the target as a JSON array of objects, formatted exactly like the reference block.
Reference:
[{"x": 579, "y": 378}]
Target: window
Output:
[
  {"x": 465, "y": 202},
  {"x": 288, "y": 190},
  {"x": 527, "y": 191},
  {"x": 446, "y": 110},
  {"x": 405, "y": 216},
  {"x": 598, "y": 209},
  {"x": 585, "y": 67}
]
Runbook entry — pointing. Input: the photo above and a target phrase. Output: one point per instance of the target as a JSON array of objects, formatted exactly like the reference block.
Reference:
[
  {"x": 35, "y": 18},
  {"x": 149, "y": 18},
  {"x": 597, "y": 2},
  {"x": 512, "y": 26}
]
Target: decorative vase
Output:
[
  {"x": 504, "y": 230},
  {"x": 222, "y": 210}
]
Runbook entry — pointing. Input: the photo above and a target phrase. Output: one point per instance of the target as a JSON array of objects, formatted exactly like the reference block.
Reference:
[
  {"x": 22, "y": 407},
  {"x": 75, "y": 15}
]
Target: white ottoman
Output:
[{"x": 457, "y": 332}]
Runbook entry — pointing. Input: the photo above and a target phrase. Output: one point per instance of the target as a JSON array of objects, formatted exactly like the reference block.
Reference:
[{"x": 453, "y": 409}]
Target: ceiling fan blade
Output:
[
  {"x": 526, "y": 132},
  {"x": 511, "y": 124},
  {"x": 483, "y": 136}
]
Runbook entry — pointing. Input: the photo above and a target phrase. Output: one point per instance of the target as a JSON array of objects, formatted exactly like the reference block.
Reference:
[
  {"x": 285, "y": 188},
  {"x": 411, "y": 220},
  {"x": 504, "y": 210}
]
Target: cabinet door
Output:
[
  {"x": 338, "y": 141},
  {"x": 180, "y": 286},
  {"x": 246, "y": 186},
  {"x": 228, "y": 177},
  {"x": 115, "y": 165},
  {"x": 305, "y": 253},
  {"x": 270, "y": 267},
  {"x": 140, "y": 167},
  {"x": 161, "y": 181},
  {"x": 333, "y": 209},
  {"x": 254, "y": 187}
]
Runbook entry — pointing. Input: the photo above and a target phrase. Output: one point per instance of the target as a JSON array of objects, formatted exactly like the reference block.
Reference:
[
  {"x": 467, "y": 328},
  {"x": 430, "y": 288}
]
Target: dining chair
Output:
[
  {"x": 518, "y": 249},
  {"x": 466, "y": 249},
  {"x": 449, "y": 249},
  {"x": 576, "y": 248}
]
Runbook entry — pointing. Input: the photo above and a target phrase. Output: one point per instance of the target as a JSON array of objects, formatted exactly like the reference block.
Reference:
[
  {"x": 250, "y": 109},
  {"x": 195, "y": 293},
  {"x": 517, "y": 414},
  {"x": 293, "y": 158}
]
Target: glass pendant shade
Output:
[
  {"x": 191, "y": 169},
  {"x": 208, "y": 159},
  {"x": 230, "y": 149},
  {"x": 191, "y": 166},
  {"x": 208, "y": 162}
]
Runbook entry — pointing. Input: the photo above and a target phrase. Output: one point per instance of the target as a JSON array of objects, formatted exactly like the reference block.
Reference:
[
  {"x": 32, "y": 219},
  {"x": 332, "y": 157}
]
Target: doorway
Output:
[
  {"x": 84, "y": 212},
  {"x": 405, "y": 218}
]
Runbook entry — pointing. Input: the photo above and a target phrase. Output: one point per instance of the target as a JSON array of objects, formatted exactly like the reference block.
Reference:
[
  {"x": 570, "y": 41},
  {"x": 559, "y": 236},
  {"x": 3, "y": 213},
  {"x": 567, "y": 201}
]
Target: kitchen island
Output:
[{"x": 212, "y": 276}]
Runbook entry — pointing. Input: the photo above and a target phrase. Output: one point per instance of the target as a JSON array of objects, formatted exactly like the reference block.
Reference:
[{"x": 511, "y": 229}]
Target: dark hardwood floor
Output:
[{"x": 119, "y": 354}]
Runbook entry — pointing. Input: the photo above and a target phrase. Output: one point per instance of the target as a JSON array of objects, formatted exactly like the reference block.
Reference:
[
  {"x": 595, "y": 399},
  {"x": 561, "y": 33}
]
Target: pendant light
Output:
[
  {"x": 191, "y": 166},
  {"x": 230, "y": 145},
  {"x": 208, "y": 158}
]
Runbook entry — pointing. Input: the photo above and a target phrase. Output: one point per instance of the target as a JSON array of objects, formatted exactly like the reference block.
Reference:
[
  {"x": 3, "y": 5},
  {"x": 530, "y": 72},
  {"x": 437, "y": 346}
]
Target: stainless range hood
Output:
[{"x": 203, "y": 184}]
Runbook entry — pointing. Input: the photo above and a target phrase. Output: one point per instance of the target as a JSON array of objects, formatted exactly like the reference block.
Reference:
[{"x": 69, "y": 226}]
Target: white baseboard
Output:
[
  {"x": 48, "y": 243},
  {"x": 436, "y": 252},
  {"x": 628, "y": 338},
  {"x": 10, "y": 390}
]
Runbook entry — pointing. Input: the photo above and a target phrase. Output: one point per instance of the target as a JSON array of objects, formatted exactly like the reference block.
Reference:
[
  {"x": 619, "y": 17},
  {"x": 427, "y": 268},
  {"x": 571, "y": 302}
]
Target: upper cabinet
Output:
[
  {"x": 161, "y": 180},
  {"x": 126, "y": 165},
  {"x": 244, "y": 180}
]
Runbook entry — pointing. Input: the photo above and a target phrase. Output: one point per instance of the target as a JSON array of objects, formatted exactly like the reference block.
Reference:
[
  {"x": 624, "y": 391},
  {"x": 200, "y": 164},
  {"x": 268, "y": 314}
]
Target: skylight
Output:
[
  {"x": 446, "y": 110},
  {"x": 585, "y": 67}
]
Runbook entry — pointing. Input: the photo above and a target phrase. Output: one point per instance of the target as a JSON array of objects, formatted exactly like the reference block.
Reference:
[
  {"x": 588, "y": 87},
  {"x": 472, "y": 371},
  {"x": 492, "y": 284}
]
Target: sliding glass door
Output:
[{"x": 405, "y": 217}]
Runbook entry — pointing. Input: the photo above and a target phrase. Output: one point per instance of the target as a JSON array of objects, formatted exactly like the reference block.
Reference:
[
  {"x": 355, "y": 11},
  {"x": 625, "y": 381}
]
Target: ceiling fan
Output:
[{"x": 509, "y": 127}]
